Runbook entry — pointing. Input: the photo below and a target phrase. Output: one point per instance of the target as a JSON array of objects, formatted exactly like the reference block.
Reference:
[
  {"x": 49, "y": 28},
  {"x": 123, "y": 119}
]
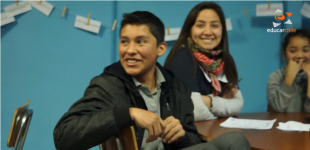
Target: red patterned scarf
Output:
[{"x": 212, "y": 66}]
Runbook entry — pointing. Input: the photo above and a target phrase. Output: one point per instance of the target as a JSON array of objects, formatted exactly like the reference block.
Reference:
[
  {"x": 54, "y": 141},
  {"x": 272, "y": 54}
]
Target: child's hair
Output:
[
  {"x": 299, "y": 32},
  {"x": 155, "y": 25}
]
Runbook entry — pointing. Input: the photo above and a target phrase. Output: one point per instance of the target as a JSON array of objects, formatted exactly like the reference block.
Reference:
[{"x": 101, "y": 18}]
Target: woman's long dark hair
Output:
[{"x": 230, "y": 69}]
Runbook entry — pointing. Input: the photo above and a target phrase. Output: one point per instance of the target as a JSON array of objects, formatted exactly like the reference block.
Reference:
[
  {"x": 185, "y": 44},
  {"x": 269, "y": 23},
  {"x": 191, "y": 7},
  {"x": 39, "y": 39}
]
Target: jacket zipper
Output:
[
  {"x": 167, "y": 104},
  {"x": 168, "y": 107}
]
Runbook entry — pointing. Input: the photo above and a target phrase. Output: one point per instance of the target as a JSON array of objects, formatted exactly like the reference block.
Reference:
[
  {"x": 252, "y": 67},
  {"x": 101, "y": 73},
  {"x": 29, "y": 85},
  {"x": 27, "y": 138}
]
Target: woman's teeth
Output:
[
  {"x": 131, "y": 61},
  {"x": 208, "y": 40}
]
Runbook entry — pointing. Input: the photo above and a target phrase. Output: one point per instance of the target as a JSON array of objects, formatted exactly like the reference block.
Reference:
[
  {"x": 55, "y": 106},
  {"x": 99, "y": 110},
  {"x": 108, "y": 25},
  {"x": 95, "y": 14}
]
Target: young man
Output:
[{"x": 137, "y": 91}]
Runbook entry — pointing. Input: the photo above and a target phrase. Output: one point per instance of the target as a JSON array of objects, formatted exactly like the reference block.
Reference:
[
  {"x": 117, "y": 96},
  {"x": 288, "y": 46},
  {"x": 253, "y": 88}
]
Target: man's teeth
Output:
[{"x": 132, "y": 61}]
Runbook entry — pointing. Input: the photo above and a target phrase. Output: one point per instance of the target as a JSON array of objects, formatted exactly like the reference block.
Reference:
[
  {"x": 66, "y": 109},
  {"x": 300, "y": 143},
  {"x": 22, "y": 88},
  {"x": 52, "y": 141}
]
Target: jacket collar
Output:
[{"x": 117, "y": 70}]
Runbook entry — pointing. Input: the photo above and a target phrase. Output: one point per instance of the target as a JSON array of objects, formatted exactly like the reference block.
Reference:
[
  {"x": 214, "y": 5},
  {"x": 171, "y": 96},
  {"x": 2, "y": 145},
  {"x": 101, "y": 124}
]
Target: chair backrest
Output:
[
  {"x": 19, "y": 127},
  {"x": 125, "y": 141}
]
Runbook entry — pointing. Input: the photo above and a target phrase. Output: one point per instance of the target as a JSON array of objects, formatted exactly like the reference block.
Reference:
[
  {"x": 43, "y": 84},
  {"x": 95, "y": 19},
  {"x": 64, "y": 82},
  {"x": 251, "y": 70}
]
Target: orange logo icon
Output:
[
  {"x": 280, "y": 17},
  {"x": 289, "y": 14}
]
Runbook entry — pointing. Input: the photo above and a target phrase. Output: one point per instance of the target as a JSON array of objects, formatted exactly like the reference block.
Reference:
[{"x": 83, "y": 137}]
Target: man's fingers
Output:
[
  {"x": 155, "y": 128},
  {"x": 166, "y": 130},
  {"x": 168, "y": 119},
  {"x": 158, "y": 130},
  {"x": 169, "y": 134},
  {"x": 151, "y": 139},
  {"x": 162, "y": 124},
  {"x": 167, "y": 125},
  {"x": 176, "y": 136},
  {"x": 150, "y": 134},
  {"x": 172, "y": 131}
]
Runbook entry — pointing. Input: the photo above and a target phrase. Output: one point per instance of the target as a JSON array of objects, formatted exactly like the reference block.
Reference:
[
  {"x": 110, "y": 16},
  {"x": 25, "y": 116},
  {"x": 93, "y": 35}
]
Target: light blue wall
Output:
[{"x": 49, "y": 61}]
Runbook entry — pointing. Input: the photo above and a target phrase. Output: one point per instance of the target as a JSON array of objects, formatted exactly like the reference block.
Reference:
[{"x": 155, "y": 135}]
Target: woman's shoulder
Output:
[
  {"x": 182, "y": 56},
  {"x": 182, "y": 53},
  {"x": 182, "y": 62}
]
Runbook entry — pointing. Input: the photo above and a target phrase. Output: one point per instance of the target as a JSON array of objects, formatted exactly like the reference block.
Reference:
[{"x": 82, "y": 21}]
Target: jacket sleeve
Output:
[
  {"x": 223, "y": 107},
  {"x": 191, "y": 136},
  {"x": 279, "y": 94},
  {"x": 93, "y": 119}
]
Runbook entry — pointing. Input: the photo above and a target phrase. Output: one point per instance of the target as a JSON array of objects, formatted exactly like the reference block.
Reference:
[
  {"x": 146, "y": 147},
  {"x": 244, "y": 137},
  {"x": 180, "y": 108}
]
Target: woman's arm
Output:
[
  {"x": 223, "y": 107},
  {"x": 201, "y": 111}
]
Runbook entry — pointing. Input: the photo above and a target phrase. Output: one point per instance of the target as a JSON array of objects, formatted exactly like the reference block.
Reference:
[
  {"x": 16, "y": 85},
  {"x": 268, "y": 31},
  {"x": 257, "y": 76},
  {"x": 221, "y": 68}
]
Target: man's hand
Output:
[
  {"x": 173, "y": 131},
  {"x": 149, "y": 121}
]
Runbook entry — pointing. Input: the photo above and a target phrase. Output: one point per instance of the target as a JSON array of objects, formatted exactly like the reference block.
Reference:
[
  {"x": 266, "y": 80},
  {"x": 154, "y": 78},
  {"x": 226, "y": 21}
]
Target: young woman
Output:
[
  {"x": 288, "y": 88},
  {"x": 200, "y": 57}
]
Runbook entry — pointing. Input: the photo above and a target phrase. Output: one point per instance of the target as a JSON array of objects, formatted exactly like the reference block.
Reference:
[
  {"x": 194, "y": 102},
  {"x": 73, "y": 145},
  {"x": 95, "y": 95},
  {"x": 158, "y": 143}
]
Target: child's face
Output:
[
  {"x": 138, "y": 50},
  {"x": 298, "y": 49}
]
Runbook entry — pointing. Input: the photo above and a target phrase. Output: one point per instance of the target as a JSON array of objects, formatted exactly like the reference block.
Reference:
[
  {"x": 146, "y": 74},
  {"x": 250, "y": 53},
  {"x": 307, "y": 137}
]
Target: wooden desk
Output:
[{"x": 273, "y": 139}]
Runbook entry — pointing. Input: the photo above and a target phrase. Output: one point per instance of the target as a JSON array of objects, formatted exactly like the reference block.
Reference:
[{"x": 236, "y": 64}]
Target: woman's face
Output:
[
  {"x": 207, "y": 30},
  {"x": 298, "y": 49}
]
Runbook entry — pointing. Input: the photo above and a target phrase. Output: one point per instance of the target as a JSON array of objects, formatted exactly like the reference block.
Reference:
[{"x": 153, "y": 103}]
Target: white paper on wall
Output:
[
  {"x": 45, "y": 7},
  {"x": 305, "y": 10},
  {"x": 14, "y": 10},
  {"x": 275, "y": 9},
  {"x": 174, "y": 34},
  {"x": 81, "y": 22},
  {"x": 228, "y": 24},
  {"x": 6, "y": 19}
]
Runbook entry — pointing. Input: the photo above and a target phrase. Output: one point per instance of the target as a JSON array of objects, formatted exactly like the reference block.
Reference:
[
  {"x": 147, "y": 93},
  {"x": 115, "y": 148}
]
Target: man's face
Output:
[{"x": 138, "y": 50}]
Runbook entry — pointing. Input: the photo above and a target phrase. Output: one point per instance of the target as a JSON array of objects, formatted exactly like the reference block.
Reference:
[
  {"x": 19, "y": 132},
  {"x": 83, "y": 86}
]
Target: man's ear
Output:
[{"x": 161, "y": 49}]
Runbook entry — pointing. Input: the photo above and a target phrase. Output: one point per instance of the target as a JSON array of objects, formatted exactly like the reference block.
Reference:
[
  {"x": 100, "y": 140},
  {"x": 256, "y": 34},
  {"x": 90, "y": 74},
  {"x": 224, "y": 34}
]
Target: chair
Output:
[
  {"x": 19, "y": 127},
  {"x": 205, "y": 138},
  {"x": 125, "y": 141}
]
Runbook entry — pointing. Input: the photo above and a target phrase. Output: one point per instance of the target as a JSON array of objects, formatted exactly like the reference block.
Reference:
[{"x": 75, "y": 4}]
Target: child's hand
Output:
[
  {"x": 291, "y": 71},
  {"x": 306, "y": 68}
]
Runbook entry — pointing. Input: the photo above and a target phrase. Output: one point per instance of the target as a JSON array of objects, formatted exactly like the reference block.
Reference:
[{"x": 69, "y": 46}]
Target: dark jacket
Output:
[
  {"x": 183, "y": 68},
  {"x": 104, "y": 110}
]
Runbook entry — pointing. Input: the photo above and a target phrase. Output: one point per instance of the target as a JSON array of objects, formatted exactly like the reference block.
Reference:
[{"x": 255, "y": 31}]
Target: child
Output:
[{"x": 288, "y": 88}]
